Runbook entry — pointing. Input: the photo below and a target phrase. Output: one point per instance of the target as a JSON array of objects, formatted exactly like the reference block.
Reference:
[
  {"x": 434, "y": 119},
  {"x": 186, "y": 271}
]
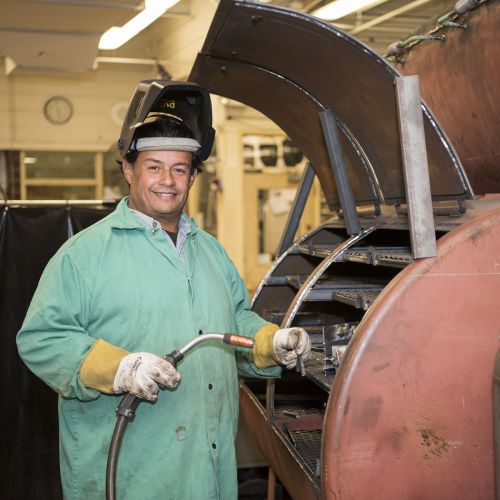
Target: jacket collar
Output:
[{"x": 123, "y": 218}]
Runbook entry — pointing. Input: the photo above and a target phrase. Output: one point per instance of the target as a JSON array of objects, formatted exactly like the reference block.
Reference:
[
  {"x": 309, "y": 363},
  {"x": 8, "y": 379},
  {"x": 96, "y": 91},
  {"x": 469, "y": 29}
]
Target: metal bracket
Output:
[
  {"x": 344, "y": 189},
  {"x": 335, "y": 339},
  {"x": 415, "y": 167},
  {"x": 295, "y": 214}
]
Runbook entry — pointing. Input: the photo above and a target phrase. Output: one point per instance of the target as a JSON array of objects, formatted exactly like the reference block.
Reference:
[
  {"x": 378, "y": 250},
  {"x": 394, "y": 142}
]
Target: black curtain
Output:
[{"x": 29, "y": 236}]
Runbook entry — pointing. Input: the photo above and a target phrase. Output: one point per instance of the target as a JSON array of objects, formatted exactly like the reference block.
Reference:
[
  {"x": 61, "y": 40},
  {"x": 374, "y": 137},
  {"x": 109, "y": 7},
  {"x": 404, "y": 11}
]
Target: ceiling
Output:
[
  {"x": 385, "y": 23},
  {"x": 62, "y": 35}
]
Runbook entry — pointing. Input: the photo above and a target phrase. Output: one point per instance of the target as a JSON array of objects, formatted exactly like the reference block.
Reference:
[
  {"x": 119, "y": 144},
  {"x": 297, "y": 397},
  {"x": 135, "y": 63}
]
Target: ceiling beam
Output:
[
  {"x": 89, "y": 3},
  {"x": 388, "y": 15},
  {"x": 130, "y": 60},
  {"x": 108, "y": 5}
]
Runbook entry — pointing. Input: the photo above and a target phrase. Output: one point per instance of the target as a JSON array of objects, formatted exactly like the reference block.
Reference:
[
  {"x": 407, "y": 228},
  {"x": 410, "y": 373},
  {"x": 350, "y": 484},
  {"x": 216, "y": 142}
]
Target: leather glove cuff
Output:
[
  {"x": 99, "y": 367},
  {"x": 263, "y": 350}
]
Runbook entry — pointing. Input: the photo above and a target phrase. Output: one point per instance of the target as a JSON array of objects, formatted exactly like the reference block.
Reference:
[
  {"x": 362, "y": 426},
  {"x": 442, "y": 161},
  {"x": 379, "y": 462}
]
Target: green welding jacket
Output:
[{"x": 125, "y": 284}]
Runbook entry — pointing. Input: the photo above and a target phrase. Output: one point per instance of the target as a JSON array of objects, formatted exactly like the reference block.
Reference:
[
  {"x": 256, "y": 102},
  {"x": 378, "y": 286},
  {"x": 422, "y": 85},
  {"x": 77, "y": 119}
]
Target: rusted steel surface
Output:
[
  {"x": 281, "y": 459},
  {"x": 291, "y": 66},
  {"x": 496, "y": 407},
  {"x": 410, "y": 415},
  {"x": 459, "y": 80}
]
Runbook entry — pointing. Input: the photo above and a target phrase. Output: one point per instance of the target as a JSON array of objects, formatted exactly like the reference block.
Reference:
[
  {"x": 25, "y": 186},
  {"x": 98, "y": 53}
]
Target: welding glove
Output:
[
  {"x": 280, "y": 346},
  {"x": 289, "y": 344},
  {"x": 140, "y": 373}
]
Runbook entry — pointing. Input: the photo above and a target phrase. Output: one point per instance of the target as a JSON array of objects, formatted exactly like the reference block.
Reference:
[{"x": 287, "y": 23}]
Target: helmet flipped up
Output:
[{"x": 186, "y": 101}]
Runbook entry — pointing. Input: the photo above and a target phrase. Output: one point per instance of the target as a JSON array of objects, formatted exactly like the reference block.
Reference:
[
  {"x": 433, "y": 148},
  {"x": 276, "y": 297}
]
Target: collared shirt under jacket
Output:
[{"x": 124, "y": 283}]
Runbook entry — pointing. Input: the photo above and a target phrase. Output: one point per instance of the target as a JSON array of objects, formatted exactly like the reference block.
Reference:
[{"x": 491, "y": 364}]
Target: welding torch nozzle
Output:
[{"x": 239, "y": 340}]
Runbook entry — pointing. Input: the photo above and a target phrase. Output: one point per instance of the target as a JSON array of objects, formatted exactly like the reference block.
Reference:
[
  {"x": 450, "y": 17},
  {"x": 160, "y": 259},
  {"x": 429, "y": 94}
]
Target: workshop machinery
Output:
[{"x": 399, "y": 288}]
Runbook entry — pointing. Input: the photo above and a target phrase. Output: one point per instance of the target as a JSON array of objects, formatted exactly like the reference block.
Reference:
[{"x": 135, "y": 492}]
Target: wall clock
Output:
[{"x": 58, "y": 110}]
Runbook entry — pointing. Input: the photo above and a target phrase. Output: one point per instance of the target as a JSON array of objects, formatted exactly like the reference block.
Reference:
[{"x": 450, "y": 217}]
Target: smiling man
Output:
[
  {"x": 160, "y": 178},
  {"x": 116, "y": 297},
  {"x": 159, "y": 185}
]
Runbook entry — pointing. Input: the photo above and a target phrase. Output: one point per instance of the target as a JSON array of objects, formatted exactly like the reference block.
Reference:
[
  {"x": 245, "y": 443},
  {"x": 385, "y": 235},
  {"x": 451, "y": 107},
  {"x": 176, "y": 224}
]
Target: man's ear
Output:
[
  {"x": 127, "y": 170},
  {"x": 194, "y": 173}
]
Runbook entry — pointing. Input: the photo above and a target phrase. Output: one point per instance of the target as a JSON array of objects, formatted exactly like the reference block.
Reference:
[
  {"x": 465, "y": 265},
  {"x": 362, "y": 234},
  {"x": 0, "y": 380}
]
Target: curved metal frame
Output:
[
  {"x": 283, "y": 256},
  {"x": 317, "y": 273},
  {"x": 248, "y": 48}
]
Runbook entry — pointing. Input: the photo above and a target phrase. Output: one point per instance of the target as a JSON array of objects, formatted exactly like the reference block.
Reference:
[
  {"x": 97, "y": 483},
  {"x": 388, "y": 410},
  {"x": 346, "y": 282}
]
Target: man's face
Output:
[{"x": 159, "y": 184}]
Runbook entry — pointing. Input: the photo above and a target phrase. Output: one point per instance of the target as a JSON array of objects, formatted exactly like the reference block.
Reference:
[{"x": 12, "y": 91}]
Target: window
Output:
[{"x": 56, "y": 175}]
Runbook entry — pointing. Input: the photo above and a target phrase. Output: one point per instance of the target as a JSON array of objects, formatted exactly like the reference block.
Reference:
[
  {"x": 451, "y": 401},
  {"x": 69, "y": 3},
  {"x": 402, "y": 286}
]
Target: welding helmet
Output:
[{"x": 188, "y": 102}]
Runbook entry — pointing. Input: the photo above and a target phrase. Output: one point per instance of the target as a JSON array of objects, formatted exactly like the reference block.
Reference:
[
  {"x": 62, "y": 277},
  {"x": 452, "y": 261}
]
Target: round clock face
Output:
[{"x": 58, "y": 110}]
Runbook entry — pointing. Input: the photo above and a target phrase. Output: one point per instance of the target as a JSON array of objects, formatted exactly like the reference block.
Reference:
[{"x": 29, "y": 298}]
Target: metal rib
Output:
[{"x": 317, "y": 273}]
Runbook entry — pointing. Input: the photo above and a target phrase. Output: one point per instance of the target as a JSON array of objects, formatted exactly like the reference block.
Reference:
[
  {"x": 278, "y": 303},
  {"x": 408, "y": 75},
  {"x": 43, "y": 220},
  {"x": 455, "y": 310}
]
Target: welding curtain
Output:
[{"x": 29, "y": 236}]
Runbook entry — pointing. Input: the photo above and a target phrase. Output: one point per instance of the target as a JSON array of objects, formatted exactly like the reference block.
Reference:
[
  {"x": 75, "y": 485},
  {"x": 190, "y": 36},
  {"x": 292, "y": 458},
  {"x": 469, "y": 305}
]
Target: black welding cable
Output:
[
  {"x": 114, "y": 448},
  {"x": 129, "y": 402},
  {"x": 125, "y": 412}
]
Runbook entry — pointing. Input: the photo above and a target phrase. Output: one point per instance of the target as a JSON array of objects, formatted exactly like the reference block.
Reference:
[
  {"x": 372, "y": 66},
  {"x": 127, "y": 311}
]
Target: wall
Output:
[
  {"x": 173, "y": 41},
  {"x": 93, "y": 95}
]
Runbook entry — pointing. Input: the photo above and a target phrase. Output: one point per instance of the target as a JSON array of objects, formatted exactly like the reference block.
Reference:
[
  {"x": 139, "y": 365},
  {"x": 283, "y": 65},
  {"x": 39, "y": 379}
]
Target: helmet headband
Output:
[{"x": 166, "y": 144}]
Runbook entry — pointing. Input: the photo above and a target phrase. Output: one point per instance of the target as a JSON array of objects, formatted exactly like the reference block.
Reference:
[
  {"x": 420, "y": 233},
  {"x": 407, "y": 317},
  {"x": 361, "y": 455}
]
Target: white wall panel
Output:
[
  {"x": 179, "y": 40},
  {"x": 93, "y": 95}
]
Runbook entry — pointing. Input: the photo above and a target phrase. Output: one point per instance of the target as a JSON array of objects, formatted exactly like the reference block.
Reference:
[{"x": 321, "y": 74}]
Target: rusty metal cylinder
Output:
[
  {"x": 459, "y": 81},
  {"x": 496, "y": 410}
]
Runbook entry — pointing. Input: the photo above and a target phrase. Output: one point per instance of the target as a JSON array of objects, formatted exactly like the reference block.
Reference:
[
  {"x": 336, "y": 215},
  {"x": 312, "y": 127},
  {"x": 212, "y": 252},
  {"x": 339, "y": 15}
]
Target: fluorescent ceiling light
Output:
[
  {"x": 340, "y": 8},
  {"x": 116, "y": 36}
]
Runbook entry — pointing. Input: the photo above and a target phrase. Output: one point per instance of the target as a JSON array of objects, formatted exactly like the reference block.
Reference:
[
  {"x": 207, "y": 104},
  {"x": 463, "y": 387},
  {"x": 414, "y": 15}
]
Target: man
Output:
[{"x": 118, "y": 295}]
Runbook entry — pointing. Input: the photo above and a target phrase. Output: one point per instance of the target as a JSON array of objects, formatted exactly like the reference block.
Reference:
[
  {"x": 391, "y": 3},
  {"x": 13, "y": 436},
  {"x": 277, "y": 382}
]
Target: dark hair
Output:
[{"x": 163, "y": 126}]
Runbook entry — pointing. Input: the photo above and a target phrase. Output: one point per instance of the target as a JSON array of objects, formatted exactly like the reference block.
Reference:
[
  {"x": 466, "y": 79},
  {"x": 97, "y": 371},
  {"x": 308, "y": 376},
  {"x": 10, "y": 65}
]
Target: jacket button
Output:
[
  {"x": 214, "y": 446},
  {"x": 210, "y": 386}
]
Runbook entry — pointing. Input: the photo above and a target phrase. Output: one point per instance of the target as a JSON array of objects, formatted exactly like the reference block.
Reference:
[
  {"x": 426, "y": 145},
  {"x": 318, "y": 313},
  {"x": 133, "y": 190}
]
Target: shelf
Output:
[
  {"x": 357, "y": 292},
  {"x": 360, "y": 299},
  {"x": 315, "y": 370},
  {"x": 45, "y": 181},
  {"x": 303, "y": 432},
  {"x": 398, "y": 257},
  {"x": 354, "y": 292},
  {"x": 316, "y": 250}
]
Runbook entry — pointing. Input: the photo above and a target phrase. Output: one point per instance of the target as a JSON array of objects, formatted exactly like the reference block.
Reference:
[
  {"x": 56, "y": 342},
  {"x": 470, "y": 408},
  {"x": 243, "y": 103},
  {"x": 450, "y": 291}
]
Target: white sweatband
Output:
[{"x": 167, "y": 144}]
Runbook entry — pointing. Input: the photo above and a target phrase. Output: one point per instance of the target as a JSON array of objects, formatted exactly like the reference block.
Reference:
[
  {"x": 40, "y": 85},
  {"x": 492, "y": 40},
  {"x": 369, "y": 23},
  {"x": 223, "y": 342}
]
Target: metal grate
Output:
[
  {"x": 395, "y": 260},
  {"x": 315, "y": 370},
  {"x": 385, "y": 256},
  {"x": 300, "y": 412},
  {"x": 304, "y": 433},
  {"x": 316, "y": 250},
  {"x": 360, "y": 299},
  {"x": 308, "y": 446},
  {"x": 359, "y": 256}
]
